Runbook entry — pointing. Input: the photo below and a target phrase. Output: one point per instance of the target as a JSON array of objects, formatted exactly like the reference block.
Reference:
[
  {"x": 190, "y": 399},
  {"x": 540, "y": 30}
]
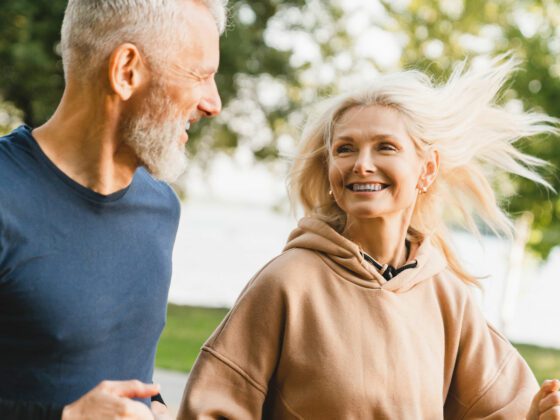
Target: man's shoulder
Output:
[
  {"x": 14, "y": 143},
  {"x": 15, "y": 158},
  {"x": 157, "y": 191}
]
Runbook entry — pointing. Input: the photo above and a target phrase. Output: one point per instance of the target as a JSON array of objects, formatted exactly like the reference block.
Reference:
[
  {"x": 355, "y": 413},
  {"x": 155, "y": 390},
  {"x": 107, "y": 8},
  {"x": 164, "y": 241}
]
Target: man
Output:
[{"x": 86, "y": 232}]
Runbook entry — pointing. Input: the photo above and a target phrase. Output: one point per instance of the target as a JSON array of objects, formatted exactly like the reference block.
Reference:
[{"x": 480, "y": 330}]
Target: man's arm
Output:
[{"x": 105, "y": 401}]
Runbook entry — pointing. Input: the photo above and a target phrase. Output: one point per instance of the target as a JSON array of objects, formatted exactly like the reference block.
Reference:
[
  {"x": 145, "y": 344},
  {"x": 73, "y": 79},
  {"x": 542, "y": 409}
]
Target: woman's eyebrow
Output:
[
  {"x": 344, "y": 138},
  {"x": 376, "y": 137}
]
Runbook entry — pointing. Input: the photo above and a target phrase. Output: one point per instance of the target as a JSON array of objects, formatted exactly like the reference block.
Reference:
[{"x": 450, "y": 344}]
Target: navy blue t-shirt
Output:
[{"x": 84, "y": 277}]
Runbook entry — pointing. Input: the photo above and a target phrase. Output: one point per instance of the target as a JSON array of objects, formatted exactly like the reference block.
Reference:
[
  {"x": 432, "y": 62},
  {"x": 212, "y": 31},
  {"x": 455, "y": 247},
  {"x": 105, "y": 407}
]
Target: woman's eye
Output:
[
  {"x": 387, "y": 147},
  {"x": 344, "y": 149}
]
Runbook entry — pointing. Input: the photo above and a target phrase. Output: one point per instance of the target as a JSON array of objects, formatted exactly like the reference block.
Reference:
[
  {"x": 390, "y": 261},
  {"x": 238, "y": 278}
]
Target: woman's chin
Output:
[{"x": 364, "y": 214}]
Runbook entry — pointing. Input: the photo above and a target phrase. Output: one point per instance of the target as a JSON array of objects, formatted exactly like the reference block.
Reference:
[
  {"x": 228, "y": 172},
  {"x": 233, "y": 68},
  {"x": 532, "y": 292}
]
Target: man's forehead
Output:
[
  {"x": 198, "y": 31},
  {"x": 195, "y": 48}
]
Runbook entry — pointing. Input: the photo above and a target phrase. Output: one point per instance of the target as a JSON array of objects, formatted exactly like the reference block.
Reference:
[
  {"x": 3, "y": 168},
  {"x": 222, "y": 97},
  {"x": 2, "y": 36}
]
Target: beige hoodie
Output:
[{"x": 319, "y": 334}]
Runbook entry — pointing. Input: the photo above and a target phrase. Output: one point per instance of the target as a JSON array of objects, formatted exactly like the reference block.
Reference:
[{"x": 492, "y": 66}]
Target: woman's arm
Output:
[
  {"x": 231, "y": 375},
  {"x": 217, "y": 389},
  {"x": 490, "y": 378}
]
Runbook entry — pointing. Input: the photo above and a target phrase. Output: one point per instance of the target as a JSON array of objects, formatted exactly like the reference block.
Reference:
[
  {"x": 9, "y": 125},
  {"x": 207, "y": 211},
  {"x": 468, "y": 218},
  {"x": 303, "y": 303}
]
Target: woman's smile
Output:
[{"x": 359, "y": 187}]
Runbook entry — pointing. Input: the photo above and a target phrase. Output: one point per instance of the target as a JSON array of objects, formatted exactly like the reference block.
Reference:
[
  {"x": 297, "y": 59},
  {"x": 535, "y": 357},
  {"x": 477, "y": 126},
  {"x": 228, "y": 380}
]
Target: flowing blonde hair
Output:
[{"x": 461, "y": 119}]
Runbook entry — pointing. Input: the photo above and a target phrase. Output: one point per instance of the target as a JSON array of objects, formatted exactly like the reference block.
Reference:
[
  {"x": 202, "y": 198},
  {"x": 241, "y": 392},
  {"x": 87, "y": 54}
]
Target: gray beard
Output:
[{"x": 156, "y": 143}]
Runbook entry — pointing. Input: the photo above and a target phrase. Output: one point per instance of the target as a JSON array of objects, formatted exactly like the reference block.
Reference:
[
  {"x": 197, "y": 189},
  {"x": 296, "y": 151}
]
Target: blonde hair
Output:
[
  {"x": 459, "y": 118},
  {"x": 92, "y": 29}
]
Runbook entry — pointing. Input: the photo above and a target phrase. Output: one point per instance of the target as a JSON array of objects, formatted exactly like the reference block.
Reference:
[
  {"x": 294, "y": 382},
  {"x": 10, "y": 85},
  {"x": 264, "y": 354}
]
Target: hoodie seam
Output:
[
  {"x": 236, "y": 368},
  {"x": 490, "y": 383},
  {"x": 286, "y": 405},
  {"x": 323, "y": 257}
]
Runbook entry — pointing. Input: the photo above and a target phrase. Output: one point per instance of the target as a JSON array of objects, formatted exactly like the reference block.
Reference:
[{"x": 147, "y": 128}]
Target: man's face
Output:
[{"x": 181, "y": 93}]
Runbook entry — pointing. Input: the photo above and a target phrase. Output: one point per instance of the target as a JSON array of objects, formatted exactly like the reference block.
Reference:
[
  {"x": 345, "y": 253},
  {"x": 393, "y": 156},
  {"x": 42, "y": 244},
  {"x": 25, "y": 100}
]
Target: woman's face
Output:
[{"x": 375, "y": 168}]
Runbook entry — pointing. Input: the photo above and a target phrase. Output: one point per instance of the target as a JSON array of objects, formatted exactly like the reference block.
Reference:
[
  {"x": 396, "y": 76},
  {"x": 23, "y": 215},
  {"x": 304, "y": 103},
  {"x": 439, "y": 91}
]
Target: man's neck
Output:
[{"x": 81, "y": 139}]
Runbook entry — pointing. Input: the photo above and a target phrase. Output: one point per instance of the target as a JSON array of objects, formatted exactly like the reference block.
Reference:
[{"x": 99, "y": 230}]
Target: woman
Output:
[{"x": 367, "y": 313}]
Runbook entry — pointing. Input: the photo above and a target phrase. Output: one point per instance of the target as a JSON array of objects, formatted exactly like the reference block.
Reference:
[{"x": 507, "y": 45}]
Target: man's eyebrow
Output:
[
  {"x": 202, "y": 71},
  {"x": 198, "y": 73}
]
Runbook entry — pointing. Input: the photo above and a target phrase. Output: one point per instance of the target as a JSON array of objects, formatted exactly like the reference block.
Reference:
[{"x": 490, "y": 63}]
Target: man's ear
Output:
[{"x": 127, "y": 70}]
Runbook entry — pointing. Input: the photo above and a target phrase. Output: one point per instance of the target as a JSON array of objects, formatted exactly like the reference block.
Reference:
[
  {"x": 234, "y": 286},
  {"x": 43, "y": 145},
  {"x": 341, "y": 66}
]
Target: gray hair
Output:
[{"x": 92, "y": 29}]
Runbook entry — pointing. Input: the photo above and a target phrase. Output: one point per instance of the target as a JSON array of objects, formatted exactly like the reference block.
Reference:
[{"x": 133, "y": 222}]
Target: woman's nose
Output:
[{"x": 364, "y": 164}]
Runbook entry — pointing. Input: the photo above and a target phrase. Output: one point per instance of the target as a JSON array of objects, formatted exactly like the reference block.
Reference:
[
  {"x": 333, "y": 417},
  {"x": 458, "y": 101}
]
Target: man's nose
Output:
[{"x": 210, "y": 104}]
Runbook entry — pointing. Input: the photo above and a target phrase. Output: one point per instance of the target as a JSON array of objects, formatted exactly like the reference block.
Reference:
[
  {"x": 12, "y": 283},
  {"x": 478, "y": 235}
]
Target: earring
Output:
[
  {"x": 330, "y": 193},
  {"x": 422, "y": 189}
]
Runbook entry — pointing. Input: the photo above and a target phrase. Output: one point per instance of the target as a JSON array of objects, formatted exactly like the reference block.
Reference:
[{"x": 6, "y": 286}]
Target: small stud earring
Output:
[{"x": 330, "y": 193}]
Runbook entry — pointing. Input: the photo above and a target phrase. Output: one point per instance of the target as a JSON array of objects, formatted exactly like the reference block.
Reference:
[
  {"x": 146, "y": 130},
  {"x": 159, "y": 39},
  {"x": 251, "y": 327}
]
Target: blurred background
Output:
[{"x": 278, "y": 58}]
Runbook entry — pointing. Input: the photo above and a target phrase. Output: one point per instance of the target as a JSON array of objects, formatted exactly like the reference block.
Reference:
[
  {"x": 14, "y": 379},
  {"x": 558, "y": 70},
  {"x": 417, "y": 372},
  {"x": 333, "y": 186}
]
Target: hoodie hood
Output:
[{"x": 346, "y": 258}]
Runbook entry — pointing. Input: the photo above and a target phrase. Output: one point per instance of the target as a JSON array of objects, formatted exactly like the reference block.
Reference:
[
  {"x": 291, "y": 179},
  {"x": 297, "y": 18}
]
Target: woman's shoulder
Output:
[
  {"x": 293, "y": 261},
  {"x": 452, "y": 288},
  {"x": 287, "y": 273}
]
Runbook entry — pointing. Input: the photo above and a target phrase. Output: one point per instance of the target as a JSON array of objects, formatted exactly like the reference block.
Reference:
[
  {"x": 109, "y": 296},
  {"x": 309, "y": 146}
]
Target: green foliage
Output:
[
  {"x": 439, "y": 34},
  {"x": 30, "y": 68},
  {"x": 10, "y": 117}
]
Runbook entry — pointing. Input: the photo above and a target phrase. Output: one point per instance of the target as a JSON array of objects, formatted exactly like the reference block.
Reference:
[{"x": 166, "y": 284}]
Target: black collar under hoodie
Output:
[{"x": 347, "y": 259}]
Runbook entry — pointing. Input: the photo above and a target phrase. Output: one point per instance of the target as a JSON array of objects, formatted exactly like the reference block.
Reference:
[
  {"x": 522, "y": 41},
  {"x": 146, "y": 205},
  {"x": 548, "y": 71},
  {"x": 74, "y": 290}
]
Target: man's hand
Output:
[
  {"x": 546, "y": 404},
  {"x": 160, "y": 411},
  {"x": 111, "y": 400}
]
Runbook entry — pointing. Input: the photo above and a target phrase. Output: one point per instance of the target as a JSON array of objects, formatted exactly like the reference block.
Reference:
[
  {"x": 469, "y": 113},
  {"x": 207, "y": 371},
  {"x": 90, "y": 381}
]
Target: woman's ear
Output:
[
  {"x": 429, "y": 171},
  {"x": 431, "y": 167},
  {"x": 126, "y": 69}
]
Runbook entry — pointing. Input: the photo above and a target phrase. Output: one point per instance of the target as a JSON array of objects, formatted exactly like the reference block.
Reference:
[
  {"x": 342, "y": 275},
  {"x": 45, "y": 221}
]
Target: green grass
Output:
[
  {"x": 188, "y": 327},
  {"x": 544, "y": 362}
]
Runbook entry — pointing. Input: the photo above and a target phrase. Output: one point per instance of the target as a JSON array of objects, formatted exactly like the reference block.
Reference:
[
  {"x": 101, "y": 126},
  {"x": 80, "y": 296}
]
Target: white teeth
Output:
[
  {"x": 187, "y": 126},
  {"x": 367, "y": 187}
]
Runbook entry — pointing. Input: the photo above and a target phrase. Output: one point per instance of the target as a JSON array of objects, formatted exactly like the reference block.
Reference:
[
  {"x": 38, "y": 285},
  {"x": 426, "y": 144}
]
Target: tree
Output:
[
  {"x": 10, "y": 117},
  {"x": 31, "y": 70}
]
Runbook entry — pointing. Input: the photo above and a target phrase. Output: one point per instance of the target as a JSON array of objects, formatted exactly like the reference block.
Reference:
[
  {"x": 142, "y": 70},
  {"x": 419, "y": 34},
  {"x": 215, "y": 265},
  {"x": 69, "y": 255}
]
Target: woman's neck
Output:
[{"x": 382, "y": 238}]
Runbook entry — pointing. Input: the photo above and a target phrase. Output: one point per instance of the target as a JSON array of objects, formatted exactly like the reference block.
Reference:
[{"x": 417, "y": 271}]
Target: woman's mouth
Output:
[{"x": 363, "y": 187}]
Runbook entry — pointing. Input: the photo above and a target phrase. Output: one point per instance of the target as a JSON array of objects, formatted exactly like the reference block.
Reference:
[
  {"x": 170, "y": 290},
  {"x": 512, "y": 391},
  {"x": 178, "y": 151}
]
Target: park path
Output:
[{"x": 172, "y": 386}]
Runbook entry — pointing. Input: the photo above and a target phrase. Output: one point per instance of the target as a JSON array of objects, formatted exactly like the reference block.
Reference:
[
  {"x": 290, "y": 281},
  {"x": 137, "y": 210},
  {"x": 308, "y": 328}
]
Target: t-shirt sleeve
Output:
[
  {"x": 490, "y": 379},
  {"x": 24, "y": 410},
  {"x": 230, "y": 377}
]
